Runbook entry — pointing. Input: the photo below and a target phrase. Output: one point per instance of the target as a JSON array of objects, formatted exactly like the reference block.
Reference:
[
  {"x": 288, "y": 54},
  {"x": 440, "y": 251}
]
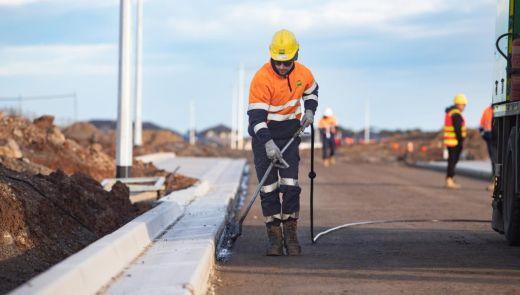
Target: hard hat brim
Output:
[{"x": 282, "y": 57}]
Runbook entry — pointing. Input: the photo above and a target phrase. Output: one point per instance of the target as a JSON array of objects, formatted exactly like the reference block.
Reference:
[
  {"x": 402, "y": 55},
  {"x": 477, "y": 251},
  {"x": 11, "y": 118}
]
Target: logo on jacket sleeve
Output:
[{"x": 298, "y": 83}]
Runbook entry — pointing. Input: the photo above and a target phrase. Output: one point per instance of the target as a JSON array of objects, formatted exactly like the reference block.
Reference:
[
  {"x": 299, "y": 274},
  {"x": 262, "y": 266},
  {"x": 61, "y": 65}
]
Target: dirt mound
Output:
[
  {"x": 154, "y": 141},
  {"x": 24, "y": 165},
  {"x": 47, "y": 218},
  {"x": 412, "y": 147},
  {"x": 43, "y": 143}
]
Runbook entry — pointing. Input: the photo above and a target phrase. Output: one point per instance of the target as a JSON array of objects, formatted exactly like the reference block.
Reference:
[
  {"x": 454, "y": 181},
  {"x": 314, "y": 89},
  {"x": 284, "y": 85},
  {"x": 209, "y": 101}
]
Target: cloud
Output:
[
  {"x": 90, "y": 59},
  {"x": 68, "y": 3},
  {"x": 317, "y": 17}
]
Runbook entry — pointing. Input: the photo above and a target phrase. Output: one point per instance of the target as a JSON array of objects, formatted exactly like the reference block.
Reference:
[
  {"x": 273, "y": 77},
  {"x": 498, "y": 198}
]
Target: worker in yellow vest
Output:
[
  {"x": 454, "y": 134},
  {"x": 327, "y": 127}
]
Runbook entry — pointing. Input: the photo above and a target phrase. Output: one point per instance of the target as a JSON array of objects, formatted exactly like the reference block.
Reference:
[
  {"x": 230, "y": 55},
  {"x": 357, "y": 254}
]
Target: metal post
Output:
[
  {"x": 75, "y": 107},
  {"x": 124, "y": 120},
  {"x": 192, "y": 123},
  {"x": 233, "y": 137},
  {"x": 20, "y": 100},
  {"x": 240, "y": 109},
  {"x": 138, "y": 123},
  {"x": 367, "y": 122}
]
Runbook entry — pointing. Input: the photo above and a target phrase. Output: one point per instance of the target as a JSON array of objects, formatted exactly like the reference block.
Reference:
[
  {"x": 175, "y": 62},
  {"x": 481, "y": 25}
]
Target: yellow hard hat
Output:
[
  {"x": 460, "y": 99},
  {"x": 284, "y": 46}
]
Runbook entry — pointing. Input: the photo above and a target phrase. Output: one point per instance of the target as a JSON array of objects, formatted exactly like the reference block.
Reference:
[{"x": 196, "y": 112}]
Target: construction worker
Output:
[
  {"x": 486, "y": 122},
  {"x": 454, "y": 135},
  {"x": 327, "y": 127},
  {"x": 274, "y": 117}
]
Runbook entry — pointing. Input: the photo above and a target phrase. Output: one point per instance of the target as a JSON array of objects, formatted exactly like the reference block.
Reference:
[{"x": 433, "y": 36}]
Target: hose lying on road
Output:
[{"x": 328, "y": 231}]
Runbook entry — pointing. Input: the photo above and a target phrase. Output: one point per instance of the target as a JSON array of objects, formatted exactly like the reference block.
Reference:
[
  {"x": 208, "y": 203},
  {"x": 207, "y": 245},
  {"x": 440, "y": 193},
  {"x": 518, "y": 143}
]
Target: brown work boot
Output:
[
  {"x": 451, "y": 184},
  {"x": 290, "y": 237},
  {"x": 275, "y": 246}
]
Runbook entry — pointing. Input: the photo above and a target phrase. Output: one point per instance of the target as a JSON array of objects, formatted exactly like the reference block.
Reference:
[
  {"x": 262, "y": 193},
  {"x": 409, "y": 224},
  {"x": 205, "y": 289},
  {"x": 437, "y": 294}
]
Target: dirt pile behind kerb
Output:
[{"x": 47, "y": 218}]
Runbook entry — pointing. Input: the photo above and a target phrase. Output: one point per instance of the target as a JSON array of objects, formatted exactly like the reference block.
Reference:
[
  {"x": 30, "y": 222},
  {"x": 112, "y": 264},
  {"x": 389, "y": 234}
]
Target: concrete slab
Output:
[{"x": 477, "y": 169}]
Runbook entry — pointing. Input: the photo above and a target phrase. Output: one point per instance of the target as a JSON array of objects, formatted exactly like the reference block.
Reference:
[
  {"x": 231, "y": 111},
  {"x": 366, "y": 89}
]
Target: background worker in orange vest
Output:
[
  {"x": 486, "y": 122},
  {"x": 274, "y": 116},
  {"x": 327, "y": 127},
  {"x": 454, "y": 135}
]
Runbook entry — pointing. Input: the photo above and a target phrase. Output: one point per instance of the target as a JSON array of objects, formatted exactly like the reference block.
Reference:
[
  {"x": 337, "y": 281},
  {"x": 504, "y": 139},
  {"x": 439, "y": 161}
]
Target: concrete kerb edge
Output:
[
  {"x": 200, "y": 286},
  {"x": 140, "y": 232},
  {"x": 461, "y": 171},
  {"x": 156, "y": 157}
]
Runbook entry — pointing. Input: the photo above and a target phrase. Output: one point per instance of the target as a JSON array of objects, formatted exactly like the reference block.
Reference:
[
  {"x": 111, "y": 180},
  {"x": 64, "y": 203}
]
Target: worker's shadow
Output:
[{"x": 381, "y": 253}]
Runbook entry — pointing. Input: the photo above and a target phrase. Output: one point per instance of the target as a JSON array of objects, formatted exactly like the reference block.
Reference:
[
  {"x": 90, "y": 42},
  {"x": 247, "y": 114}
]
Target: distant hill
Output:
[
  {"x": 216, "y": 129},
  {"x": 108, "y": 125}
]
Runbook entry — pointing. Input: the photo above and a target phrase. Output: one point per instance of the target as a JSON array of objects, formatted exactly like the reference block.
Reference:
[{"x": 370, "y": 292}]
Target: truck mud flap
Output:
[{"x": 497, "y": 222}]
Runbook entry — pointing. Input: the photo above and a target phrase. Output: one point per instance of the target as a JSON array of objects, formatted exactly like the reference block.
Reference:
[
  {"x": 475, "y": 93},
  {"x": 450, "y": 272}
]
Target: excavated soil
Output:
[
  {"x": 46, "y": 218},
  {"x": 51, "y": 202}
]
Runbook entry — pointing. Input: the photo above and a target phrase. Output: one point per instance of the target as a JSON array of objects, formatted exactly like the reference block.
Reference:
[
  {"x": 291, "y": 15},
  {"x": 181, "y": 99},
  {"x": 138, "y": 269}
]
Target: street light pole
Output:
[
  {"x": 367, "y": 121},
  {"x": 240, "y": 114},
  {"x": 233, "y": 137},
  {"x": 191, "y": 133},
  {"x": 138, "y": 123},
  {"x": 124, "y": 121}
]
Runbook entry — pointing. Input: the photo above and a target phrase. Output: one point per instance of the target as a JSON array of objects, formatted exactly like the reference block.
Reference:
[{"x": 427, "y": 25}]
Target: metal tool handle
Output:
[{"x": 264, "y": 178}]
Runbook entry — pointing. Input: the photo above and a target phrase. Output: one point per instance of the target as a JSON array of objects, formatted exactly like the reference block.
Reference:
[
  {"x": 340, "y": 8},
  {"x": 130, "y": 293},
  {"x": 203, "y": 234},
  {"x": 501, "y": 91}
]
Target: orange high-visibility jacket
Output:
[
  {"x": 275, "y": 101},
  {"x": 327, "y": 125},
  {"x": 450, "y": 133},
  {"x": 487, "y": 119}
]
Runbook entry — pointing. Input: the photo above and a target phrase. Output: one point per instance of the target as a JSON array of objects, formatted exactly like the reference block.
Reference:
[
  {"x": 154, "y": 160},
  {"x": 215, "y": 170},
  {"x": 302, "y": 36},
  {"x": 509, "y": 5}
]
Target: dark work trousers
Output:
[
  {"x": 284, "y": 181},
  {"x": 491, "y": 152},
  {"x": 328, "y": 146},
  {"x": 453, "y": 158}
]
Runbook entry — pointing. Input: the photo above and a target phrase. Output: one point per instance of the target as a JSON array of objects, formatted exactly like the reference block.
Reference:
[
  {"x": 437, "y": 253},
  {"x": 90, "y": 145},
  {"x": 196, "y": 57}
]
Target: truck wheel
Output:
[{"x": 511, "y": 201}]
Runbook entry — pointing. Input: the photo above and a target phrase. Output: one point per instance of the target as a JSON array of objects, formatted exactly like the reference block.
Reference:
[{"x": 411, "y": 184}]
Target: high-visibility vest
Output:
[
  {"x": 450, "y": 137},
  {"x": 487, "y": 119}
]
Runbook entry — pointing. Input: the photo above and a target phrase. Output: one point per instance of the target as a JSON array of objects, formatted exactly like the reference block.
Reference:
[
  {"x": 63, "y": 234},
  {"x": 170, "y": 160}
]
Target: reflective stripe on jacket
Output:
[
  {"x": 275, "y": 102},
  {"x": 450, "y": 134}
]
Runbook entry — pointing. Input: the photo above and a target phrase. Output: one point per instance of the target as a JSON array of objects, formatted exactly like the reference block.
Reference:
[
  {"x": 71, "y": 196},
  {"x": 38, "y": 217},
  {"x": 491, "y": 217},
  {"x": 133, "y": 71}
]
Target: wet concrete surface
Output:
[{"x": 410, "y": 258}]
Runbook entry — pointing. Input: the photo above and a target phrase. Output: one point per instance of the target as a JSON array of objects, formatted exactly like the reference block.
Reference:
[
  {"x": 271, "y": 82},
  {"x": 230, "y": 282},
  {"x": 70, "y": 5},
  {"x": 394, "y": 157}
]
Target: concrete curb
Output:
[
  {"x": 155, "y": 157},
  {"x": 181, "y": 260},
  {"x": 87, "y": 271},
  {"x": 475, "y": 173}
]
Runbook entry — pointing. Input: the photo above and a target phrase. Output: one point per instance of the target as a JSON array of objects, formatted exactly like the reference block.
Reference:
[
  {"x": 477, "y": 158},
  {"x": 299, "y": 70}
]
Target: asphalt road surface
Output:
[{"x": 411, "y": 258}]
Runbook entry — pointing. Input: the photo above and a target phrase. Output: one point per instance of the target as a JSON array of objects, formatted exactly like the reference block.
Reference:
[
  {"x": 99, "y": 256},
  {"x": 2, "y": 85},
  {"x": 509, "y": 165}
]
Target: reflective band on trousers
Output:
[
  {"x": 294, "y": 215},
  {"x": 289, "y": 181},
  {"x": 269, "y": 188},
  {"x": 273, "y": 218}
]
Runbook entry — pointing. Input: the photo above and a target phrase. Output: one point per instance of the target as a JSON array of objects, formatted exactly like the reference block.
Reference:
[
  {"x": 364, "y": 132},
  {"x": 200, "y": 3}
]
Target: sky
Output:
[{"x": 407, "y": 59}]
